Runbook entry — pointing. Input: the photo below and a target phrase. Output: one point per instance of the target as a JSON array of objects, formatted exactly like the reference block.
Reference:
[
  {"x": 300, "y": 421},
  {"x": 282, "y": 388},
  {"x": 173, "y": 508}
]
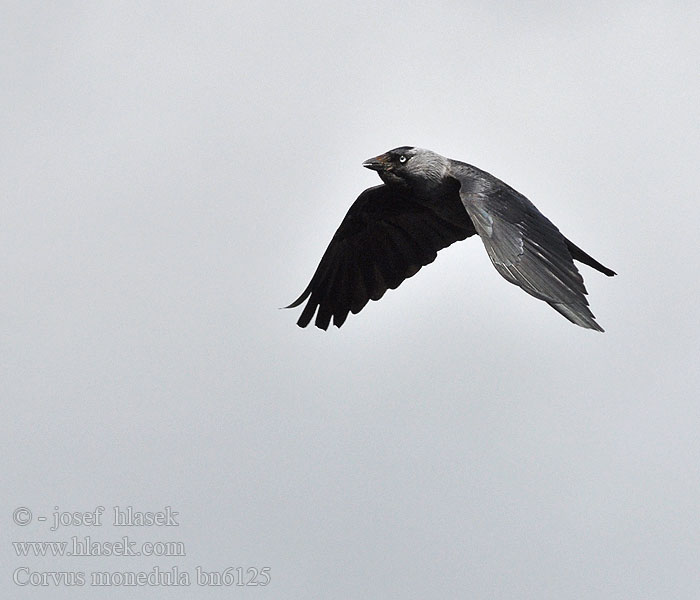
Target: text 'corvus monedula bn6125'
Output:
[{"x": 426, "y": 203}]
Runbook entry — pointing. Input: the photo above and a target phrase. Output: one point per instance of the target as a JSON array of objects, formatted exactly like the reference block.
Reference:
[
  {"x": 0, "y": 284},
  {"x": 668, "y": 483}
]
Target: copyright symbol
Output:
[{"x": 22, "y": 516}]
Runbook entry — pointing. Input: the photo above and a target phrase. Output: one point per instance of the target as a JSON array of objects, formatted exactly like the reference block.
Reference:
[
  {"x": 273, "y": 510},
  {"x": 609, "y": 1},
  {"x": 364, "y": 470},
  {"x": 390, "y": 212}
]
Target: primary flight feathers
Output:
[{"x": 426, "y": 203}]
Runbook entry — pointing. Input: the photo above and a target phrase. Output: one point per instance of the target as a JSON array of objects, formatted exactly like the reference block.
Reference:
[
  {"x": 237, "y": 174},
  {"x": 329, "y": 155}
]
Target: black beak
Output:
[{"x": 378, "y": 163}]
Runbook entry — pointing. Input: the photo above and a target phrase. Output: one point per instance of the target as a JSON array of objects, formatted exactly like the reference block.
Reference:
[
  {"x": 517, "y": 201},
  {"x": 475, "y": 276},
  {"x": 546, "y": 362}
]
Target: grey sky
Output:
[{"x": 171, "y": 174}]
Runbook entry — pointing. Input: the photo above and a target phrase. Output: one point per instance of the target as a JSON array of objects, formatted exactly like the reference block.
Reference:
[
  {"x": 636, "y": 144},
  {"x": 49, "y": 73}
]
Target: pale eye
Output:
[{"x": 402, "y": 159}]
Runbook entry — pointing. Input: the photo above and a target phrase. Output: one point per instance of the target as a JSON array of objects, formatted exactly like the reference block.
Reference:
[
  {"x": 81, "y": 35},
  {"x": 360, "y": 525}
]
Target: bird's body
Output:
[{"x": 426, "y": 203}]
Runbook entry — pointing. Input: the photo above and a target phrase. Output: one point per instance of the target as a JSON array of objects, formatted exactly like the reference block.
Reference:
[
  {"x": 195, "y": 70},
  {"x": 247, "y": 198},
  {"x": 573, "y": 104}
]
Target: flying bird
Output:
[{"x": 426, "y": 203}]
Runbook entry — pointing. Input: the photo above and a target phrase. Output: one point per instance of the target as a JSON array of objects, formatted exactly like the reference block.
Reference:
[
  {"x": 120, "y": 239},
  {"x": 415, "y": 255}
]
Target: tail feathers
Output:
[{"x": 586, "y": 259}]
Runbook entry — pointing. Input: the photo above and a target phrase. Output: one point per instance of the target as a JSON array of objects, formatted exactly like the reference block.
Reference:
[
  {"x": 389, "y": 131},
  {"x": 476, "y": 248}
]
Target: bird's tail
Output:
[{"x": 586, "y": 259}]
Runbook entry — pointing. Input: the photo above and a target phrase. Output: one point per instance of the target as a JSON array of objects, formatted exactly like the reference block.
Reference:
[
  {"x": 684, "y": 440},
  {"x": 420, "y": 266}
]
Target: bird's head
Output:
[{"x": 416, "y": 168}]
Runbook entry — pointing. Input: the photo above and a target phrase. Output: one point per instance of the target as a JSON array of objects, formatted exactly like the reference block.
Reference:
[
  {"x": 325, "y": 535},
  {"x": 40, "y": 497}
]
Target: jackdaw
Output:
[{"x": 426, "y": 203}]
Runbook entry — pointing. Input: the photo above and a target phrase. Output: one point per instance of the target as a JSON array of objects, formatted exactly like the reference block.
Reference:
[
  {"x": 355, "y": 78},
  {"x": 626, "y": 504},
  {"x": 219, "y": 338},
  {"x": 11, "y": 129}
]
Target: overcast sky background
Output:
[{"x": 171, "y": 174}]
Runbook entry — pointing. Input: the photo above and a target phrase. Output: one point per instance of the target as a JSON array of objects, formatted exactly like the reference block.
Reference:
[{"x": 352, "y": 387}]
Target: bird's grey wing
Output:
[
  {"x": 526, "y": 248},
  {"x": 385, "y": 237}
]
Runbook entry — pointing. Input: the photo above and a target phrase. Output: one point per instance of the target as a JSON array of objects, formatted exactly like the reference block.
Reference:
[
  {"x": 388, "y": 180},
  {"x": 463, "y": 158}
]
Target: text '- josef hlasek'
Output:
[{"x": 120, "y": 517}]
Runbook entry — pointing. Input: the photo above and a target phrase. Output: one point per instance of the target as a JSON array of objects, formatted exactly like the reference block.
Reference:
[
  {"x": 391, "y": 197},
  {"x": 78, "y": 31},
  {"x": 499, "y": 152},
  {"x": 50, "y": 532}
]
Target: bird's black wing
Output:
[
  {"x": 526, "y": 248},
  {"x": 385, "y": 237}
]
